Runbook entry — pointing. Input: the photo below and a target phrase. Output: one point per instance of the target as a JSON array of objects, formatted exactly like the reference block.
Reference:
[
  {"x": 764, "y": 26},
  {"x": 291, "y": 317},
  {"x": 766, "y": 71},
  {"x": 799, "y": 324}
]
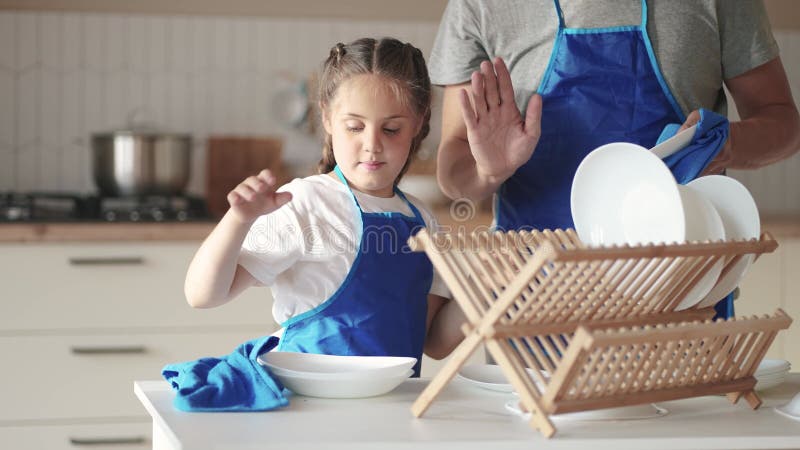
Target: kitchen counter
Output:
[
  {"x": 104, "y": 231},
  {"x": 780, "y": 227},
  {"x": 465, "y": 417}
]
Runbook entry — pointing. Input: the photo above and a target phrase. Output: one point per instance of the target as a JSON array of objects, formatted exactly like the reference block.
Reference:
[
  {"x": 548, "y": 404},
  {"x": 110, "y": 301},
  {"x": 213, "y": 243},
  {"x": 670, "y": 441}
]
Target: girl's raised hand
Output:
[
  {"x": 499, "y": 139},
  {"x": 256, "y": 196}
]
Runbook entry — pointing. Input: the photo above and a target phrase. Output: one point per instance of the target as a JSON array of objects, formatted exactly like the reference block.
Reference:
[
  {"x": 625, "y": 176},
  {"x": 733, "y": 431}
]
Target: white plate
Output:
[
  {"x": 739, "y": 215},
  {"x": 633, "y": 412},
  {"x": 770, "y": 381},
  {"x": 311, "y": 365},
  {"x": 772, "y": 366},
  {"x": 487, "y": 376},
  {"x": 624, "y": 194},
  {"x": 342, "y": 387},
  {"x": 675, "y": 143}
]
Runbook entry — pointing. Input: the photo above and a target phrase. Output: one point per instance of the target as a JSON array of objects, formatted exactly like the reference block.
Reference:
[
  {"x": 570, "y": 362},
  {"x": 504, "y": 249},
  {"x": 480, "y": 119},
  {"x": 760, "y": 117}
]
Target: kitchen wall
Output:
[{"x": 65, "y": 75}]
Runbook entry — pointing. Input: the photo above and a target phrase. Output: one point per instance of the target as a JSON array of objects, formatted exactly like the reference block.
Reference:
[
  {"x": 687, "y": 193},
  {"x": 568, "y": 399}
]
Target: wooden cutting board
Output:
[{"x": 231, "y": 159}]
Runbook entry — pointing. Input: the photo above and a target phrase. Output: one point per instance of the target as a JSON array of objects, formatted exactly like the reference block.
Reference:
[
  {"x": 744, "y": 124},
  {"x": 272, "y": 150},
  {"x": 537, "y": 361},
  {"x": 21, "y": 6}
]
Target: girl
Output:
[{"x": 333, "y": 246}]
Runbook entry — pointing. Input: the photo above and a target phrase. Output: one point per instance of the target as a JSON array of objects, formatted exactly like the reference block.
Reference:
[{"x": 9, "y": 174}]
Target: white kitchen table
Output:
[{"x": 465, "y": 417}]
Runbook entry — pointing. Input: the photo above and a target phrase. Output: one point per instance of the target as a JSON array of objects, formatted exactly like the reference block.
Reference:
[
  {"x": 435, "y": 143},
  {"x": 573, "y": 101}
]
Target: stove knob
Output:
[
  {"x": 182, "y": 216},
  {"x": 158, "y": 215},
  {"x": 110, "y": 216},
  {"x": 135, "y": 216}
]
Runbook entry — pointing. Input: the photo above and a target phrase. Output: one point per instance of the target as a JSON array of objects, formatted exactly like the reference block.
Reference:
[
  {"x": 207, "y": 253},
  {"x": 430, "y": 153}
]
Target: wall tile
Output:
[
  {"x": 8, "y": 109},
  {"x": 116, "y": 43},
  {"x": 49, "y": 162},
  {"x": 28, "y": 93},
  {"x": 49, "y": 104},
  {"x": 8, "y": 172},
  {"x": 93, "y": 42},
  {"x": 27, "y": 40},
  {"x": 50, "y": 31},
  {"x": 71, "y": 108},
  {"x": 156, "y": 44},
  {"x": 8, "y": 39},
  {"x": 138, "y": 44},
  {"x": 71, "y": 42},
  {"x": 27, "y": 165}
]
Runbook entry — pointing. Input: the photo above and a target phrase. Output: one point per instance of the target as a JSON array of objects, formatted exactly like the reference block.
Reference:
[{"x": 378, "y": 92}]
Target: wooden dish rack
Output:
[{"x": 576, "y": 328}]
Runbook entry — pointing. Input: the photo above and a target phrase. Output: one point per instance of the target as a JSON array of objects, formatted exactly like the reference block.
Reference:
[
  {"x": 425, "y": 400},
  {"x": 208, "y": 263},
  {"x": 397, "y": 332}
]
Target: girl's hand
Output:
[
  {"x": 500, "y": 141},
  {"x": 256, "y": 196}
]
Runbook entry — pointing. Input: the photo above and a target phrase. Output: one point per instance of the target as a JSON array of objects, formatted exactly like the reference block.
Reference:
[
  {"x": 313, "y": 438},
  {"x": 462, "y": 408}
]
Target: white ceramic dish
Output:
[
  {"x": 315, "y": 366},
  {"x": 741, "y": 220},
  {"x": 675, "y": 143},
  {"x": 773, "y": 366},
  {"x": 633, "y": 412},
  {"x": 353, "y": 387},
  {"x": 703, "y": 223},
  {"x": 486, "y": 376},
  {"x": 624, "y": 194},
  {"x": 791, "y": 409},
  {"x": 770, "y": 381}
]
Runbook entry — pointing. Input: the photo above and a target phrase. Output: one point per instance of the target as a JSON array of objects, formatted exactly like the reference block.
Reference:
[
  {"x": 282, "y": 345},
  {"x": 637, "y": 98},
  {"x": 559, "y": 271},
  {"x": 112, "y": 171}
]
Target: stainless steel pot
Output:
[{"x": 141, "y": 162}]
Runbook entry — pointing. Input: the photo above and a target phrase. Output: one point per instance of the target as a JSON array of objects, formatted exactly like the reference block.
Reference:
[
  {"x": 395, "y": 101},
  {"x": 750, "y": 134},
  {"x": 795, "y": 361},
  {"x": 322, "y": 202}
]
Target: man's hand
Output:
[{"x": 499, "y": 139}]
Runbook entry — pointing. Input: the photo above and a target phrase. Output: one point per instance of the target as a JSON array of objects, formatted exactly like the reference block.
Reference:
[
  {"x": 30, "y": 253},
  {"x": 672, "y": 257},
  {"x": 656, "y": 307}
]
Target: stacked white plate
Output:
[
  {"x": 771, "y": 373},
  {"x": 333, "y": 376}
]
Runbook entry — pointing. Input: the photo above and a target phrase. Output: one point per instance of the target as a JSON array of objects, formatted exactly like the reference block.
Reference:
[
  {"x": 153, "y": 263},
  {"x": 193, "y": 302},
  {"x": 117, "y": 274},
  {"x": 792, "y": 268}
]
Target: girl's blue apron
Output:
[
  {"x": 601, "y": 85},
  {"x": 381, "y": 307}
]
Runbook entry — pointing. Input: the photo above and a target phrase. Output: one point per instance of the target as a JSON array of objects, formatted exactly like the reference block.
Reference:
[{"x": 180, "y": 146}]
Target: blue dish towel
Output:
[
  {"x": 709, "y": 137},
  {"x": 234, "y": 382}
]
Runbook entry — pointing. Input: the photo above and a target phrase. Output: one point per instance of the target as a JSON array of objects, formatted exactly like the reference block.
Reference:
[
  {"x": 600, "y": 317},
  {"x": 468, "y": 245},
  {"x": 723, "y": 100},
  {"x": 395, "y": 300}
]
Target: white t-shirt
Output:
[{"x": 304, "y": 250}]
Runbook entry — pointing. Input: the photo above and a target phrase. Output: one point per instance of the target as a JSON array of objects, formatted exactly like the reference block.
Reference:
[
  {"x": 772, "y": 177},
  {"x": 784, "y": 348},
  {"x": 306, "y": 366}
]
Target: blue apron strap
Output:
[
  {"x": 560, "y": 15},
  {"x": 644, "y": 14},
  {"x": 339, "y": 174},
  {"x": 413, "y": 208}
]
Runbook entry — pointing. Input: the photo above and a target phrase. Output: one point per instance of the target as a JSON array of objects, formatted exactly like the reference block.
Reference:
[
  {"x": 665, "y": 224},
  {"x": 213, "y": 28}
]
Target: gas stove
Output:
[{"x": 66, "y": 207}]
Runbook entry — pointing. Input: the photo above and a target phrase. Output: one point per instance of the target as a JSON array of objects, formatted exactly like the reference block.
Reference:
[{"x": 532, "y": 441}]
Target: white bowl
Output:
[
  {"x": 315, "y": 366},
  {"x": 740, "y": 218},
  {"x": 624, "y": 194},
  {"x": 350, "y": 387},
  {"x": 489, "y": 376},
  {"x": 791, "y": 409}
]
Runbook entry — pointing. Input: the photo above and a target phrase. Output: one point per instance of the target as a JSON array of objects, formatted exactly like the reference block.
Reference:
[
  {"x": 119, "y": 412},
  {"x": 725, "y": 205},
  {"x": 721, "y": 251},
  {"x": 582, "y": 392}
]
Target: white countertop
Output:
[{"x": 466, "y": 417}]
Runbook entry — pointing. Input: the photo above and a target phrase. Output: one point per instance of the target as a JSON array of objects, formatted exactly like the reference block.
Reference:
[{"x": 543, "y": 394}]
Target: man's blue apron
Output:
[
  {"x": 381, "y": 307},
  {"x": 601, "y": 85}
]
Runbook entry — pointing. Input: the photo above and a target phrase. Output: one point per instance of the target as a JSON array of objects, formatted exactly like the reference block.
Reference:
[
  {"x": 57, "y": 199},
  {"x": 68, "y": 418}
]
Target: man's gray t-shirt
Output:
[{"x": 698, "y": 43}]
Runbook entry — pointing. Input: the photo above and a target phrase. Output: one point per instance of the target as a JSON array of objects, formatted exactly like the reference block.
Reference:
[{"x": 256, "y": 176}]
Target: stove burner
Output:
[{"x": 60, "y": 207}]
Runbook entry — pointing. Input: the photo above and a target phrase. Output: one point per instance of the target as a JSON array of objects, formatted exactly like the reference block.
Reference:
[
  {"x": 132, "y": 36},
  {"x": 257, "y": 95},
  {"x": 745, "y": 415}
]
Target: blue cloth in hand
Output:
[
  {"x": 709, "y": 137},
  {"x": 235, "y": 382}
]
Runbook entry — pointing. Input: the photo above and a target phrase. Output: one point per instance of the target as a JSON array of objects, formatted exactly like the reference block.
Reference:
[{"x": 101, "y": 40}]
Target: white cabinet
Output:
[{"x": 79, "y": 322}]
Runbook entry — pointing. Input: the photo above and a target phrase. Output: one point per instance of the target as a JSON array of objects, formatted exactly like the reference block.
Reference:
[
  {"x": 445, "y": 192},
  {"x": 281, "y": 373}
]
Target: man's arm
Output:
[{"x": 769, "y": 129}]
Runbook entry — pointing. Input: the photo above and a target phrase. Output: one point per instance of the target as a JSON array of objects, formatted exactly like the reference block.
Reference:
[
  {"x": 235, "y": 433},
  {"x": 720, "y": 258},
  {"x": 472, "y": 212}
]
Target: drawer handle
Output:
[
  {"x": 125, "y": 349},
  {"x": 133, "y": 440},
  {"x": 107, "y": 261}
]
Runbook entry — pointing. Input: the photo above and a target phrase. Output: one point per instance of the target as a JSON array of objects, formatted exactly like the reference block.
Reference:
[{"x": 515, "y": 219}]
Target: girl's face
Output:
[{"x": 371, "y": 132}]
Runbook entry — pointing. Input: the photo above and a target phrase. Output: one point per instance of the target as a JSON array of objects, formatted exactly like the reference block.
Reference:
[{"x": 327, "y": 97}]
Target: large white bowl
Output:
[
  {"x": 349, "y": 387},
  {"x": 624, "y": 194},
  {"x": 331, "y": 367},
  {"x": 740, "y": 218}
]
